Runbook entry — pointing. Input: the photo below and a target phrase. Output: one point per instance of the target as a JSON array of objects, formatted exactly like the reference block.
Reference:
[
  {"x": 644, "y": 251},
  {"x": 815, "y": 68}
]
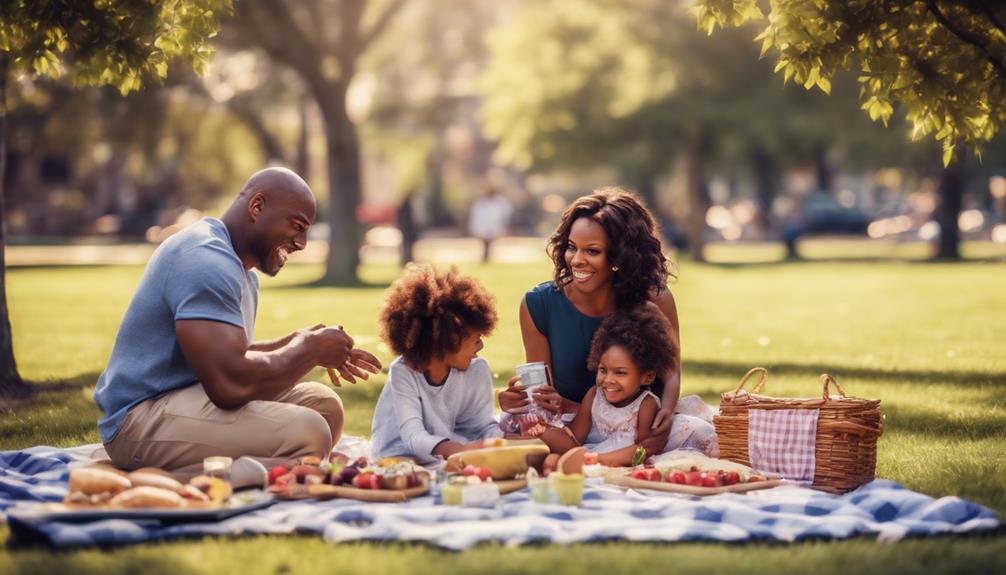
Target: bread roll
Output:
[
  {"x": 94, "y": 480},
  {"x": 147, "y": 497},
  {"x": 193, "y": 493},
  {"x": 144, "y": 478}
]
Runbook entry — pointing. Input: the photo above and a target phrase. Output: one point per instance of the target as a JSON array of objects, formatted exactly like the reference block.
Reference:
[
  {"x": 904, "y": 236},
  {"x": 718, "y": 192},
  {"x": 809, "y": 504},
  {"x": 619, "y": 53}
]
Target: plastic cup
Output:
[
  {"x": 531, "y": 376},
  {"x": 450, "y": 493},
  {"x": 218, "y": 466},
  {"x": 541, "y": 489},
  {"x": 568, "y": 488}
]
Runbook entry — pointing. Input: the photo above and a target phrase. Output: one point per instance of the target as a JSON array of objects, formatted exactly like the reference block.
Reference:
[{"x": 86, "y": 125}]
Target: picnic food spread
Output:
[
  {"x": 505, "y": 458},
  {"x": 392, "y": 478},
  {"x": 103, "y": 486}
]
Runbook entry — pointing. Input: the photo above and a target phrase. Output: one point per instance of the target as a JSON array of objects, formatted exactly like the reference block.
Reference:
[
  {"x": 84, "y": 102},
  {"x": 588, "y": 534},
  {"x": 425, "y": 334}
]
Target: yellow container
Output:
[{"x": 568, "y": 488}]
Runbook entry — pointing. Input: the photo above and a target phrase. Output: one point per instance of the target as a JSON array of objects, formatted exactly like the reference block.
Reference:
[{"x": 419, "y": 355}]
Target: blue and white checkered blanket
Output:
[{"x": 881, "y": 509}]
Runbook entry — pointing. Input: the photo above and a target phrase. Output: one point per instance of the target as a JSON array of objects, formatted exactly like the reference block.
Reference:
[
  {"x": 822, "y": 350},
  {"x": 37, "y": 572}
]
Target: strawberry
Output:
[
  {"x": 712, "y": 480},
  {"x": 731, "y": 478},
  {"x": 375, "y": 481},
  {"x": 276, "y": 472},
  {"x": 483, "y": 473},
  {"x": 362, "y": 480},
  {"x": 653, "y": 474},
  {"x": 640, "y": 474},
  {"x": 693, "y": 478},
  {"x": 469, "y": 470},
  {"x": 589, "y": 458},
  {"x": 677, "y": 477}
]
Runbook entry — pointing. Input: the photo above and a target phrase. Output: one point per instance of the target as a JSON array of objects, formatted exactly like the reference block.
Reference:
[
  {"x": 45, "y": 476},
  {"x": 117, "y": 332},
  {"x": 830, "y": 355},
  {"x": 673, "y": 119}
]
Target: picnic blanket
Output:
[{"x": 881, "y": 509}]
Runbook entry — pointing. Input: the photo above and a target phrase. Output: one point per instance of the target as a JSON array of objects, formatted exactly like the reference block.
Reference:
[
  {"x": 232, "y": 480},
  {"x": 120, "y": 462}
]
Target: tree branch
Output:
[
  {"x": 279, "y": 36},
  {"x": 382, "y": 22},
  {"x": 966, "y": 36},
  {"x": 991, "y": 15}
]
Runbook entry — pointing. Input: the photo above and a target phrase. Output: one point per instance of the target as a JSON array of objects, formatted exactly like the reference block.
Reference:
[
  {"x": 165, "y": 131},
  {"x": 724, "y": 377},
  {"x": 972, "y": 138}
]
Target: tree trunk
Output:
[
  {"x": 11, "y": 384},
  {"x": 302, "y": 159},
  {"x": 343, "y": 156},
  {"x": 766, "y": 180},
  {"x": 822, "y": 170},
  {"x": 952, "y": 182},
  {"x": 698, "y": 194}
]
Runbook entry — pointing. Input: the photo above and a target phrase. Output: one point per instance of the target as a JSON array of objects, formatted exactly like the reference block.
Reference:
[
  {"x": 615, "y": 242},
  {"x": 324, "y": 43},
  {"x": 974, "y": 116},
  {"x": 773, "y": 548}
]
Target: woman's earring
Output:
[{"x": 614, "y": 268}]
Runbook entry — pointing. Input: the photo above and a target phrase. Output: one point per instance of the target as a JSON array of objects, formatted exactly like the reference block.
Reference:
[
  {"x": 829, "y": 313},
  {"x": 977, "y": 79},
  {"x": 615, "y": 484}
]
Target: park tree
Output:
[
  {"x": 634, "y": 85},
  {"x": 943, "y": 62},
  {"x": 107, "y": 42},
  {"x": 323, "y": 41}
]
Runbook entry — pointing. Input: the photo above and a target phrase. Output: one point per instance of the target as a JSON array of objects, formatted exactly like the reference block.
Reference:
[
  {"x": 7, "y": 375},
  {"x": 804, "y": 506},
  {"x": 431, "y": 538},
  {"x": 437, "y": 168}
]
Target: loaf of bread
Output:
[
  {"x": 147, "y": 478},
  {"x": 95, "y": 480}
]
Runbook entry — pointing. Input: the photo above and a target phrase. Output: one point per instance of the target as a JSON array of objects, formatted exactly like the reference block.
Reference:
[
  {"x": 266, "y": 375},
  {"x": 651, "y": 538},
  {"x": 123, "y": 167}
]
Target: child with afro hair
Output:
[{"x": 439, "y": 396}]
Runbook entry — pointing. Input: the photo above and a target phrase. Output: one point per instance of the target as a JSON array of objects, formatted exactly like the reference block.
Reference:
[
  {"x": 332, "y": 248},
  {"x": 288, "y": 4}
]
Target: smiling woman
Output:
[{"x": 607, "y": 257}]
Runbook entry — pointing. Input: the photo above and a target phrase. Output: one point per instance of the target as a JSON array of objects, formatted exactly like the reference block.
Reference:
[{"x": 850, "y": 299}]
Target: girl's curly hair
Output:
[
  {"x": 427, "y": 314},
  {"x": 633, "y": 244},
  {"x": 645, "y": 333}
]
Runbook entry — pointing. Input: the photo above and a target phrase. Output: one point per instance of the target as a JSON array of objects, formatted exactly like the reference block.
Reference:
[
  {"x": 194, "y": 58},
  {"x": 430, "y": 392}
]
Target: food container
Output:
[
  {"x": 568, "y": 488},
  {"x": 450, "y": 493},
  {"x": 480, "y": 495}
]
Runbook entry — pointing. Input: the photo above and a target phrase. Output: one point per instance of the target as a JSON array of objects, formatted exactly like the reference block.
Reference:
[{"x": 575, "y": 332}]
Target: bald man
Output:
[{"x": 185, "y": 381}]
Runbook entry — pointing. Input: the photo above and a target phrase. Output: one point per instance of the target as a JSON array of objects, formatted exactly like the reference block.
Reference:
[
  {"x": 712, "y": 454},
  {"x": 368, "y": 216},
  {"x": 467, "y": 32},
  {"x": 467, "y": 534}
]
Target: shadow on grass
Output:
[
  {"x": 734, "y": 371},
  {"x": 972, "y": 426},
  {"x": 352, "y": 284}
]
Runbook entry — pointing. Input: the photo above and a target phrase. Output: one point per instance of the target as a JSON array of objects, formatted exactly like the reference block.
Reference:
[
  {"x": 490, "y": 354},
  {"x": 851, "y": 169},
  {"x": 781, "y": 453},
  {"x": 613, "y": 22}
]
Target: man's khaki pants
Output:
[{"x": 177, "y": 430}]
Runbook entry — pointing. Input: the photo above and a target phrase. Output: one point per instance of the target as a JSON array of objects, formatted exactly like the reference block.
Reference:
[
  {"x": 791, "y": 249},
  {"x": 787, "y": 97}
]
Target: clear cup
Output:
[
  {"x": 218, "y": 466},
  {"x": 532, "y": 375},
  {"x": 541, "y": 489}
]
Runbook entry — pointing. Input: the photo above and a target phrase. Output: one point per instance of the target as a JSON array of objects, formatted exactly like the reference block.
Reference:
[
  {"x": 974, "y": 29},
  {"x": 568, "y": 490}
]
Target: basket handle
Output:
[
  {"x": 828, "y": 380},
  {"x": 758, "y": 386}
]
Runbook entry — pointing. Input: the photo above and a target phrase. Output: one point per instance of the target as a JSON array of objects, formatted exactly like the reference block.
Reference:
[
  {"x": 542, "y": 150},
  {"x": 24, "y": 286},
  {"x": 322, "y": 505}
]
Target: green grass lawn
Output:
[{"x": 924, "y": 338}]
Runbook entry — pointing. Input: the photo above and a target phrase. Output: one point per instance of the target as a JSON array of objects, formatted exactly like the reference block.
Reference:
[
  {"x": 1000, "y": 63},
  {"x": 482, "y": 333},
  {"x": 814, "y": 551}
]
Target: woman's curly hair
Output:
[
  {"x": 428, "y": 314},
  {"x": 633, "y": 244},
  {"x": 645, "y": 333}
]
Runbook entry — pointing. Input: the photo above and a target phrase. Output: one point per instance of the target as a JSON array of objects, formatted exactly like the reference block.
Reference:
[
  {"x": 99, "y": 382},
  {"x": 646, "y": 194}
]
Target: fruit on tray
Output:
[
  {"x": 505, "y": 461},
  {"x": 390, "y": 473},
  {"x": 696, "y": 477}
]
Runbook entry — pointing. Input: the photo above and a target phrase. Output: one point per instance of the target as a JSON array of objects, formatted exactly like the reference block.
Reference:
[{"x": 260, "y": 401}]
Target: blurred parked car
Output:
[{"x": 821, "y": 214}]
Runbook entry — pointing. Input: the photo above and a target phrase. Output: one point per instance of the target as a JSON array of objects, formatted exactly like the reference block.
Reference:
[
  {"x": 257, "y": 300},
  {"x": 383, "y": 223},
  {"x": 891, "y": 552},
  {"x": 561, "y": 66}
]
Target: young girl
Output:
[
  {"x": 439, "y": 396},
  {"x": 628, "y": 351}
]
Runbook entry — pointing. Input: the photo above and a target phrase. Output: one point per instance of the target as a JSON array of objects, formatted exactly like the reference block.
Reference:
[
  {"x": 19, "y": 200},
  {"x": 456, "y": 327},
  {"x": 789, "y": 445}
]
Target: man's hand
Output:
[
  {"x": 358, "y": 364},
  {"x": 336, "y": 352},
  {"x": 332, "y": 345}
]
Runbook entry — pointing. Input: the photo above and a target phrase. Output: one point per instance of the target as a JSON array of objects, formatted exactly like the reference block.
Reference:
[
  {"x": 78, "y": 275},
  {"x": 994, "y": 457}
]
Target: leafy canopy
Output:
[
  {"x": 944, "y": 62},
  {"x": 116, "y": 42}
]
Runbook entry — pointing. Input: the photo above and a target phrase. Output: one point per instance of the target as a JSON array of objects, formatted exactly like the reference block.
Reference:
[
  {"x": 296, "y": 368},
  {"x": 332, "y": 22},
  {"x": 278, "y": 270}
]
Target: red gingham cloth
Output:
[{"x": 782, "y": 441}]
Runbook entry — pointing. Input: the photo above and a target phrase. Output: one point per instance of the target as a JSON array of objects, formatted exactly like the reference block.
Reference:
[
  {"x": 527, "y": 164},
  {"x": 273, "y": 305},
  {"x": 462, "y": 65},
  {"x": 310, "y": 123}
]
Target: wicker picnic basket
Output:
[{"x": 847, "y": 431}]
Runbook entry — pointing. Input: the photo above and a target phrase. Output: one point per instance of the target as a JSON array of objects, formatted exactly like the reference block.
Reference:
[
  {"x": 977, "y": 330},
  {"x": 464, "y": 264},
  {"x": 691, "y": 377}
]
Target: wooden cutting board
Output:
[
  {"x": 692, "y": 489},
  {"x": 325, "y": 491},
  {"x": 510, "y": 485}
]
